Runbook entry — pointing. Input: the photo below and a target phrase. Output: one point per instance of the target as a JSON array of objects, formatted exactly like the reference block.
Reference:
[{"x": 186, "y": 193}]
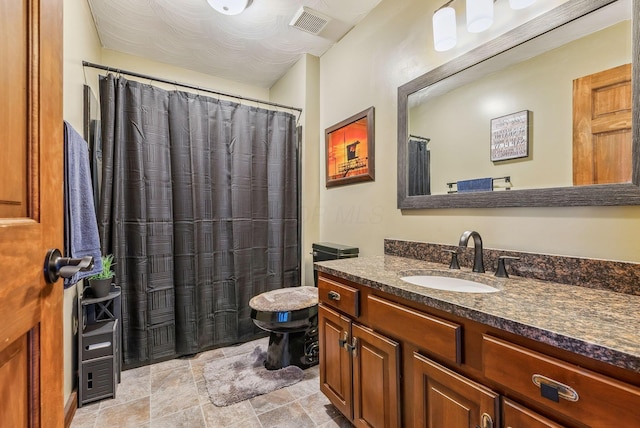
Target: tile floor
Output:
[{"x": 173, "y": 394}]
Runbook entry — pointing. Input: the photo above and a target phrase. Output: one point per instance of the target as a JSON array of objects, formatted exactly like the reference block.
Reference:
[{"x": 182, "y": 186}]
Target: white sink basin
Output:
[{"x": 449, "y": 284}]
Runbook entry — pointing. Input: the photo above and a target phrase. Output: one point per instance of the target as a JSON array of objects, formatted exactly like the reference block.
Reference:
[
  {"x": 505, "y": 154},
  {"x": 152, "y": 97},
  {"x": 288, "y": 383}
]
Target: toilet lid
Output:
[{"x": 285, "y": 299}]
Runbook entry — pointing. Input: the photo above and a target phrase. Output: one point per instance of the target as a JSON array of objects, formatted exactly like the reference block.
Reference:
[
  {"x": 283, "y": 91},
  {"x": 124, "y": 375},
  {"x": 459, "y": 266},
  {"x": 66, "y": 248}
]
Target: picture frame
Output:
[
  {"x": 350, "y": 154},
  {"x": 510, "y": 136}
]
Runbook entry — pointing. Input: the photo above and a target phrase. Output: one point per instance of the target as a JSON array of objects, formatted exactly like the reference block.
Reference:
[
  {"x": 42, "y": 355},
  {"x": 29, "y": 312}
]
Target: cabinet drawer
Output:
[
  {"x": 339, "y": 296},
  {"x": 430, "y": 333},
  {"x": 581, "y": 394},
  {"x": 97, "y": 340}
]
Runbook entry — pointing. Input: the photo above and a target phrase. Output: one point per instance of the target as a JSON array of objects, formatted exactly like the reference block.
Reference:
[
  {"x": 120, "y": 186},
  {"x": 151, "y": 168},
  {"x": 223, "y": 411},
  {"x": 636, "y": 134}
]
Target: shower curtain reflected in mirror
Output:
[
  {"x": 419, "y": 174},
  {"x": 199, "y": 207}
]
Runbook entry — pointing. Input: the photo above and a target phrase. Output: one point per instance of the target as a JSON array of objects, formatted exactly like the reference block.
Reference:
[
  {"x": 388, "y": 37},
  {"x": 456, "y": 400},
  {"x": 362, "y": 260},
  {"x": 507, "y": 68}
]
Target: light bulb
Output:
[
  {"x": 444, "y": 29},
  {"x": 479, "y": 15}
]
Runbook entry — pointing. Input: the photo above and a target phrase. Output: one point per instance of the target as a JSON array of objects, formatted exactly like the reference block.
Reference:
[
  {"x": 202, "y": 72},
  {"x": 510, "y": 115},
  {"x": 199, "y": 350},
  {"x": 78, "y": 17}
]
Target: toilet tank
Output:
[{"x": 329, "y": 251}]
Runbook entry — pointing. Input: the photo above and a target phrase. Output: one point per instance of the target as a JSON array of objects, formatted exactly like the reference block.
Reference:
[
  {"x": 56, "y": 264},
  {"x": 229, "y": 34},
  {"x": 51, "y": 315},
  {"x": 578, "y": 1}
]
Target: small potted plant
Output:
[{"x": 100, "y": 284}]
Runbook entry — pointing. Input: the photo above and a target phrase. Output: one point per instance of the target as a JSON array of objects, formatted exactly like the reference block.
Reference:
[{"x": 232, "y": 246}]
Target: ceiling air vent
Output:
[{"x": 309, "y": 20}]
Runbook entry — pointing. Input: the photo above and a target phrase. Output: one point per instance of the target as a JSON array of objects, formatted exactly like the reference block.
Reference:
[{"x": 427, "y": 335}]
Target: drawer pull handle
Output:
[
  {"x": 554, "y": 390},
  {"x": 95, "y": 346},
  {"x": 343, "y": 342},
  {"x": 486, "y": 421},
  {"x": 333, "y": 295},
  {"x": 353, "y": 348}
]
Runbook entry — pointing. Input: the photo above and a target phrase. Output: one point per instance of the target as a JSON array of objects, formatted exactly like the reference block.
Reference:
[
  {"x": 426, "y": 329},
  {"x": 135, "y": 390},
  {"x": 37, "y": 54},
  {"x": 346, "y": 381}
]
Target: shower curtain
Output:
[
  {"x": 419, "y": 168},
  {"x": 199, "y": 205}
]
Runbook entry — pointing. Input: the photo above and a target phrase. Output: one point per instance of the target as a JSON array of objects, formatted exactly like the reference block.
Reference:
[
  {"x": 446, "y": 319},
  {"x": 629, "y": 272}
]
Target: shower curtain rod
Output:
[
  {"x": 417, "y": 137},
  {"x": 186, "y": 85}
]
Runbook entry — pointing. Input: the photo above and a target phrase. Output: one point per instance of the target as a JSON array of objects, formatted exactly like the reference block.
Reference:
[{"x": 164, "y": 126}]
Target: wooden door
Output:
[
  {"x": 376, "y": 379},
  {"x": 602, "y": 127},
  {"x": 31, "y": 163},
  {"x": 443, "y": 398},
  {"x": 516, "y": 416},
  {"x": 334, "y": 331}
]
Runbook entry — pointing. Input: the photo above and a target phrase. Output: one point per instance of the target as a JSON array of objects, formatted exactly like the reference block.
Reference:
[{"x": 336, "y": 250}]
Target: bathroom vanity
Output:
[{"x": 532, "y": 354}]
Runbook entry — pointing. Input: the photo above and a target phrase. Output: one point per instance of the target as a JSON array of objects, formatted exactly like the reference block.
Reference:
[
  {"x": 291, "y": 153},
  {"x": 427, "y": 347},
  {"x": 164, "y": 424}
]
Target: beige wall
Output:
[
  {"x": 391, "y": 46},
  {"x": 458, "y": 122},
  {"x": 170, "y": 72},
  {"x": 300, "y": 88},
  {"x": 81, "y": 42}
]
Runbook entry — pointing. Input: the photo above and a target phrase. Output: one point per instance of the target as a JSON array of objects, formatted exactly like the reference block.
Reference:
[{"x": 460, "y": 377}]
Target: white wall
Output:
[{"x": 391, "y": 46}]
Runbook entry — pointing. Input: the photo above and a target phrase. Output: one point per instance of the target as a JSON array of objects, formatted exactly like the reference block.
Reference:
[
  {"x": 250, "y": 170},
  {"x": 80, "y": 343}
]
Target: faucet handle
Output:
[
  {"x": 454, "y": 259},
  {"x": 501, "y": 272}
]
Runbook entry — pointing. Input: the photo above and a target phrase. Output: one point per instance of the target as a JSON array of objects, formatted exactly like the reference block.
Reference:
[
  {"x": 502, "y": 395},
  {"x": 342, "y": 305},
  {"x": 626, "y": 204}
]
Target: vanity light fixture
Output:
[
  {"x": 444, "y": 28},
  {"x": 479, "y": 18},
  {"x": 479, "y": 15},
  {"x": 229, "y": 7}
]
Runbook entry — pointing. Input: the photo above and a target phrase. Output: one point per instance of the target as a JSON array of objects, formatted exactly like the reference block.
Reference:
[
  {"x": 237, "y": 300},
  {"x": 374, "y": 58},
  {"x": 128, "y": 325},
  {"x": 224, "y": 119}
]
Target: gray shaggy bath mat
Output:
[{"x": 241, "y": 377}]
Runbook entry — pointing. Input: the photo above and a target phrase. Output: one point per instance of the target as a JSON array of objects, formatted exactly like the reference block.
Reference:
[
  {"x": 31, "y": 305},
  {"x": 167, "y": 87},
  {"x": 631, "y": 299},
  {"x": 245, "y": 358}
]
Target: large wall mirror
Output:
[{"x": 543, "y": 115}]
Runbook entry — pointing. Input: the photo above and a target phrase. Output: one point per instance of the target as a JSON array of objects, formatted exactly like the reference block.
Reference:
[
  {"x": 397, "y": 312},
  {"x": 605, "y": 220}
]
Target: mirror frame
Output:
[{"x": 591, "y": 195}]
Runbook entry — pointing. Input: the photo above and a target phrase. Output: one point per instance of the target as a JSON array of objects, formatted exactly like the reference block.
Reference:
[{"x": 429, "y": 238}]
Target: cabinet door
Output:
[
  {"x": 517, "y": 416},
  {"x": 443, "y": 398},
  {"x": 335, "y": 360},
  {"x": 376, "y": 379}
]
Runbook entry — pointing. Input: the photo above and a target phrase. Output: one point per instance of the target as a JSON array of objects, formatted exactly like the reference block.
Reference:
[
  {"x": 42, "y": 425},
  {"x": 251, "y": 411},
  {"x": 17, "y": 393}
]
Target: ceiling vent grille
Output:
[{"x": 309, "y": 20}]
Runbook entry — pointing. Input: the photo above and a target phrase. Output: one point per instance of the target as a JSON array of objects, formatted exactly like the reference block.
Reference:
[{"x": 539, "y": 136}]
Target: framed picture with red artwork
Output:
[{"x": 350, "y": 150}]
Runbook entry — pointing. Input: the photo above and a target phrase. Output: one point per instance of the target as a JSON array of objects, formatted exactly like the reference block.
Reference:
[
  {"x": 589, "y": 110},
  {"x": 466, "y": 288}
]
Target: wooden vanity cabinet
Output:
[
  {"x": 515, "y": 415},
  {"x": 359, "y": 368},
  {"x": 376, "y": 379},
  {"x": 336, "y": 383},
  {"x": 567, "y": 389},
  {"x": 456, "y": 373},
  {"x": 443, "y": 398}
]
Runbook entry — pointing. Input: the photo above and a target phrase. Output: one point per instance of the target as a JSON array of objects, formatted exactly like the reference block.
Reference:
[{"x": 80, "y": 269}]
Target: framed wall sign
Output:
[
  {"x": 350, "y": 150},
  {"x": 510, "y": 136}
]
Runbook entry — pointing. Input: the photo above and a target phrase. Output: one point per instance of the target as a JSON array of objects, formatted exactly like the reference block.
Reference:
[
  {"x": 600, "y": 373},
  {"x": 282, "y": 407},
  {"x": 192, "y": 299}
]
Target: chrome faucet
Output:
[{"x": 478, "y": 264}]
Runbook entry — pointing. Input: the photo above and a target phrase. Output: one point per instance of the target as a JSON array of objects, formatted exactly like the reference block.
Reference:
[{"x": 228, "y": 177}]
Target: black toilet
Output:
[{"x": 290, "y": 315}]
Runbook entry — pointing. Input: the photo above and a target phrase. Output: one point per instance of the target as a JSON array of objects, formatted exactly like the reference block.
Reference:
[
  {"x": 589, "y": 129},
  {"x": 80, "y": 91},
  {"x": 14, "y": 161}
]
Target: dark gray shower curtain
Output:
[
  {"x": 419, "y": 168},
  {"x": 199, "y": 207}
]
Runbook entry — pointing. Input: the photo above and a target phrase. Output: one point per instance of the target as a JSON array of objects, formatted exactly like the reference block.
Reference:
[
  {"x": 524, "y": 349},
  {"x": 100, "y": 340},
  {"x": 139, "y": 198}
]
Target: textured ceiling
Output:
[{"x": 256, "y": 47}]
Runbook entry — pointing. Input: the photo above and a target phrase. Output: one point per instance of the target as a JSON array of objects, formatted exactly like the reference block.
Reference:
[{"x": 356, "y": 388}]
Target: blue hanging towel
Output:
[
  {"x": 81, "y": 228},
  {"x": 475, "y": 185}
]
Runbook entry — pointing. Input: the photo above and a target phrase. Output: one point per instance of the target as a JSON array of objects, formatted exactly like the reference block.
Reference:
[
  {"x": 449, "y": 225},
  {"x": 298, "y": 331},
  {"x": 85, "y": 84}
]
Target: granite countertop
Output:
[{"x": 602, "y": 325}]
